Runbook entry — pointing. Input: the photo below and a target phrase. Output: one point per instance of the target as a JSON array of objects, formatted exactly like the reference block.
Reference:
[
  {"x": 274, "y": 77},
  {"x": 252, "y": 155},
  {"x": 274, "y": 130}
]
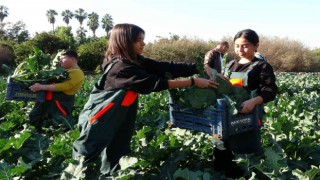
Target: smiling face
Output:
[
  {"x": 245, "y": 49},
  {"x": 139, "y": 44}
]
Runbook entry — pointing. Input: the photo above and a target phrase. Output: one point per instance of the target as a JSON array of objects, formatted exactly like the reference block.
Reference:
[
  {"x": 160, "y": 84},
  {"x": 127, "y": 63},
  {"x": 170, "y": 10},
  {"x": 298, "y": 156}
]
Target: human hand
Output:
[
  {"x": 36, "y": 87},
  {"x": 203, "y": 83},
  {"x": 223, "y": 77},
  {"x": 248, "y": 105}
]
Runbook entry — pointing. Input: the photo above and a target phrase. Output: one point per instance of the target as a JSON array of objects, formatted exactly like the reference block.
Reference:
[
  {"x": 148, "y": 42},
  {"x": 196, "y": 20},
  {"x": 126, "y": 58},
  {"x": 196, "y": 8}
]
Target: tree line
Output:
[
  {"x": 16, "y": 45},
  {"x": 80, "y": 14}
]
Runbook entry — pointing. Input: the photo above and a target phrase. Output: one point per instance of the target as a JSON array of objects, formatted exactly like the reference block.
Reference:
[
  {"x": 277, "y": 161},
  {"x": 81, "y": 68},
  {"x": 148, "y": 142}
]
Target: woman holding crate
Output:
[
  {"x": 107, "y": 121},
  {"x": 255, "y": 75}
]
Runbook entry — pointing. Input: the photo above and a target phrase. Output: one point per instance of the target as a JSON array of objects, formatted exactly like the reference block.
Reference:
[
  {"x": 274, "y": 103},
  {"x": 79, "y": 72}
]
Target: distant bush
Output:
[
  {"x": 66, "y": 35},
  {"x": 50, "y": 43},
  {"x": 22, "y": 51},
  {"x": 313, "y": 59},
  {"x": 91, "y": 54},
  {"x": 7, "y": 55},
  {"x": 282, "y": 53},
  {"x": 180, "y": 50}
]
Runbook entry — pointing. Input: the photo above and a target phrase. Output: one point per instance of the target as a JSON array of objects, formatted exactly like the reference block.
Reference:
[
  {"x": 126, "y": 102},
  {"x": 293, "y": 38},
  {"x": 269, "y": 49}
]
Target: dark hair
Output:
[
  {"x": 224, "y": 43},
  {"x": 121, "y": 41},
  {"x": 249, "y": 35},
  {"x": 70, "y": 53}
]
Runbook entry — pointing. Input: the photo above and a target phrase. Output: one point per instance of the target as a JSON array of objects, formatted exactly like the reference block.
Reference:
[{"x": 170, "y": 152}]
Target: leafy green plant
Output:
[
  {"x": 37, "y": 68},
  {"x": 290, "y": 139}
]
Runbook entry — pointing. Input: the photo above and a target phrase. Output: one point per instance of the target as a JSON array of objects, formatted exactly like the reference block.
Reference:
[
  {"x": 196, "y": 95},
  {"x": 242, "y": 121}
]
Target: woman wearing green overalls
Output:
[
  {"x": 253, "y": 74},
  {"x": 107, "y": 132}
]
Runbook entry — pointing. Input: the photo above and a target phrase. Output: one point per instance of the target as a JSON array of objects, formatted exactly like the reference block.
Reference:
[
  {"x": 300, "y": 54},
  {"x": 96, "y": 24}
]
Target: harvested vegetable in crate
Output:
[{"x": 38, "y": 68}]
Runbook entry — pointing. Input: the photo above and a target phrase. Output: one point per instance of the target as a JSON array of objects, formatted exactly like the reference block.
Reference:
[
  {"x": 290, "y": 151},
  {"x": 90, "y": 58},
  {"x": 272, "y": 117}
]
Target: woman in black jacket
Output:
[
  {"x": 253, "y": 74},
  {"x": 127, "y": 74}
]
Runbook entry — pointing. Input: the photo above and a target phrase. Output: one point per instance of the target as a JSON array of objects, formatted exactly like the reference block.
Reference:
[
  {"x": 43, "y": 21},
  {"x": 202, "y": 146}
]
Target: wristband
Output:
[{"x": 192, "y": 81}]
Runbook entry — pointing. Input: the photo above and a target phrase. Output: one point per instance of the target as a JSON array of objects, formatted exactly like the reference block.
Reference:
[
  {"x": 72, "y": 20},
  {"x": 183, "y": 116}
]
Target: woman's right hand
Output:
[{"x": 204, "y": 83}]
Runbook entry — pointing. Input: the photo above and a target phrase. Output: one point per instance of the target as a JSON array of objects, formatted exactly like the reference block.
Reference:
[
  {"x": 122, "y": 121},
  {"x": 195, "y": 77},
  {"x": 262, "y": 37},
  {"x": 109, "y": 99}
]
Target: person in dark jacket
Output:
[
  {"x": 129, "y": 72},
  {"x": 254, "y": 74},
  {"x": 214, "y": 57}
]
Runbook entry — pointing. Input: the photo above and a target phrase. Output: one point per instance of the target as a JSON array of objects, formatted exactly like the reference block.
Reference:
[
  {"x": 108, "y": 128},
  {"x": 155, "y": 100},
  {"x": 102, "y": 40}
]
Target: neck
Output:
[
  {"x": 74, "y": 66},
  {"x": 244, "y": 61}
]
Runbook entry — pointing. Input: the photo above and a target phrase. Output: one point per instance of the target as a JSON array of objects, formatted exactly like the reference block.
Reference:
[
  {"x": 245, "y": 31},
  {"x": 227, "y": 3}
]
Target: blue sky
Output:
[{"x": 202, "y": 19}]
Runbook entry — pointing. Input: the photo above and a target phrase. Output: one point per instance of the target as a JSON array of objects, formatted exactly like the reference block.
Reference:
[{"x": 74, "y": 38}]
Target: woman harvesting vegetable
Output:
[
  {"x": 108, "y": 130},
  {"x": 253, "y": 74}
]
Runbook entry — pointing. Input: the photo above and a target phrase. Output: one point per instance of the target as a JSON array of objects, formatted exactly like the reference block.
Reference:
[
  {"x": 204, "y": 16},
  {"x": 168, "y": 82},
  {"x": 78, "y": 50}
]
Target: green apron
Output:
[
  {"x": 55, "y": 111},
  {"x": 106, "y": 126}
]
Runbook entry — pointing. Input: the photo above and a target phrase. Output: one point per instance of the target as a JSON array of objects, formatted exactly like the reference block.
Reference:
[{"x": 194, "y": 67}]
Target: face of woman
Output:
[
  {"x": 139, "y": 44},
  {"x": 244, "y": 49}
]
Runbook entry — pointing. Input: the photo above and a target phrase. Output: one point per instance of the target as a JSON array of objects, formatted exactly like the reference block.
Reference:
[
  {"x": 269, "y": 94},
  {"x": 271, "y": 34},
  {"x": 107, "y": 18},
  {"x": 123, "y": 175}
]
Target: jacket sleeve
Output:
[
  {"x": 147, "y": 76},
  {"x": 140, "y": 81},
  {"x": 267, "y": 87},
  {"x": 174, "y": 69},
  {"x": 211, "y": 58}
]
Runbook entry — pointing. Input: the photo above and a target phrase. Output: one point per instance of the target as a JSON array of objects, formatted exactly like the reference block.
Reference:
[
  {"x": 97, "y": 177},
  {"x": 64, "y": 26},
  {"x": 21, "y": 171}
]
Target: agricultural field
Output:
[{"x": 290, "y": 138}]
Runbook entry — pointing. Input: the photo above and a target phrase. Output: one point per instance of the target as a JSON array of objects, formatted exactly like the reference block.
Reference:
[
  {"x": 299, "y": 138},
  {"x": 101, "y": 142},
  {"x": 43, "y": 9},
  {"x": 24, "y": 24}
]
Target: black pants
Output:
[{"x": 224, "y": 163}]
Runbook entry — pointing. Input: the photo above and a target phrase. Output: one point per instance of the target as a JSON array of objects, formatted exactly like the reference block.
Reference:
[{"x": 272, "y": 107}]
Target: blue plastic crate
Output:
[
  {"x": 214, "y": 121},
  {"x": 20, "y": 91}
]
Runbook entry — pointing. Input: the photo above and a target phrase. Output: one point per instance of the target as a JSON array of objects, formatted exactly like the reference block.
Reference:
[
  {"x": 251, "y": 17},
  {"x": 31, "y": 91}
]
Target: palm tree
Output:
[
  {"x": 81, "y": 33},
  {"x": 50, "y": 15},
  {"x": 93, "y": 22},
  {"x": 80, "y": 15},
  {"x": 67, "y": 15},
  {"x": 107, "y": 23},
  {"x": 3, "y": 12}
]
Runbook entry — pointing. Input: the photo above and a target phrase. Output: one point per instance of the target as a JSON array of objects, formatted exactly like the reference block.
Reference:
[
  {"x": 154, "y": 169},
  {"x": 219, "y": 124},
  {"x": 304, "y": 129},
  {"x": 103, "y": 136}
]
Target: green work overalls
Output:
[
  {"x": 55, "y": 111},
  {"x": 106, "y": 126}
]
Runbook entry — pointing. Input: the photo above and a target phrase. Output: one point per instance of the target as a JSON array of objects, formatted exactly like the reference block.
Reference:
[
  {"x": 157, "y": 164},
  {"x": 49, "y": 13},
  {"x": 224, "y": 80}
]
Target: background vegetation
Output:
[
  {"x": 16, "y": 44},
  {"x": 290, "y": 134}
]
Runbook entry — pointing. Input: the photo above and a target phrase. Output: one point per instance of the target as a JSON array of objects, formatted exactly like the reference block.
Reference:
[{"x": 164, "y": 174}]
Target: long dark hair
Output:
[{"x": 121, "y": 42}]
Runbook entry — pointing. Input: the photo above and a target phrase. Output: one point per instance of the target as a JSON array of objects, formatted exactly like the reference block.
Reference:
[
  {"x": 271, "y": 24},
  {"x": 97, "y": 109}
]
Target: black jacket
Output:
[
  {"x": 149, "y": 76},
  {"x": 261, "y": 77}
]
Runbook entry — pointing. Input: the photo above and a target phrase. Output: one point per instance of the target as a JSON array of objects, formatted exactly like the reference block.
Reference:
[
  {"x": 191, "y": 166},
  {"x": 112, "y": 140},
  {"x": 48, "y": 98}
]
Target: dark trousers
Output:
[{"x": 224, "y": 163}]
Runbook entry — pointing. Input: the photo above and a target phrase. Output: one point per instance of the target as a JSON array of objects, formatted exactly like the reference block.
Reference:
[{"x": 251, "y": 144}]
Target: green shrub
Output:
[
  {"x": 49, "y": 43},
  {"x": 182, "y": 50},
  {"x": 91, "y": 54},
  {"x": 22, "y": 51},
  {"x": 313, "y": 60},
  {"x": 7, "y": 55}
]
